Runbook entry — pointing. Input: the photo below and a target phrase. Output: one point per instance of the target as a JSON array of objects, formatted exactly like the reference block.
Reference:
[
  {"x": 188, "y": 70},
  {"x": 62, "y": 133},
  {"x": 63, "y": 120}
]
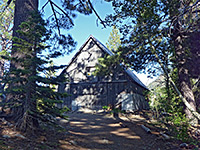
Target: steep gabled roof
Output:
[{"x": 105, "y": 49}]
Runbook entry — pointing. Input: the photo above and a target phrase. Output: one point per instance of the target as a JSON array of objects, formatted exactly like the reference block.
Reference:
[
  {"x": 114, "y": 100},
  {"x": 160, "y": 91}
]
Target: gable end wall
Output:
[{"x": 95, "y": 92}]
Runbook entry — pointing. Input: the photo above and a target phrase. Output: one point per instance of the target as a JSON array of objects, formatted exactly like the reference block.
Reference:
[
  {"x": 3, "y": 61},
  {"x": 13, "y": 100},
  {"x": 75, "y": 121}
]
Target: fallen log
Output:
[
  {"x": 165, "y": 136},
  {"x": 146, "y": 129}
]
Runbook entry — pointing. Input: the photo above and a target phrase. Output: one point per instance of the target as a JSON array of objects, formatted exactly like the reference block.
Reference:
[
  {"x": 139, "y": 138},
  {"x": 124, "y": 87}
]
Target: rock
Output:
[
  {"x": 73, "y": 142},
  {"x": 183, "y": 145},
  {"x": 64, "y": 121},
  {"x": 122, "y": 125},
  {"x": 2, "y": 119},
  {"x": 61, "y": 120},
  {"x": 20, "y": 136},
  {"x": 6, "y": 136},
  {"x": 105, "y": 141}
]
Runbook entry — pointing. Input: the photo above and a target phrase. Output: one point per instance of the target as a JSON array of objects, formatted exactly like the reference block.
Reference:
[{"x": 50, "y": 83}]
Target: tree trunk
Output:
[
  {"x": 186, "y": 89},
  {"x": 182, "y": 57},
  {"x": 20, "y": 114},
  {"x": 23, "y": 8},
  {"x": 193, "y": 64},
  {"x": 187, "y": 104}
]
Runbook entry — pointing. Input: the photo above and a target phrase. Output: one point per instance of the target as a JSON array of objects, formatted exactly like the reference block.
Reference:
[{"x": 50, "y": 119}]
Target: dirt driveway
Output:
[{"x": 100, "y": 131}]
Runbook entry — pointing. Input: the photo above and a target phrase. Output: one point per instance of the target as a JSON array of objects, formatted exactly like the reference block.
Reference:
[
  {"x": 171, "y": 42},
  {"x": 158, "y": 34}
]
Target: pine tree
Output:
[
  {"x": 32, "y": 94},
  {"x": 108, "y": 64},
  {"x": 62, "y": 18},
  {"x": 29, "y": 94},
  {"x": 114, "y": 40}
]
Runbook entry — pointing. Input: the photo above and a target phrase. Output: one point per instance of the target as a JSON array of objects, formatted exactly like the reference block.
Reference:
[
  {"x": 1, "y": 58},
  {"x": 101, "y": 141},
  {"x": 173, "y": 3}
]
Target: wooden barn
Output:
[{"x": 122, "y": 87}]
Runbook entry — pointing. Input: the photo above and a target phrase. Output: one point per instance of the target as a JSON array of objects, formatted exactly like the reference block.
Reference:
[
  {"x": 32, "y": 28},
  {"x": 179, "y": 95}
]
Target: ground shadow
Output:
[{"x": 103, "y": 132}]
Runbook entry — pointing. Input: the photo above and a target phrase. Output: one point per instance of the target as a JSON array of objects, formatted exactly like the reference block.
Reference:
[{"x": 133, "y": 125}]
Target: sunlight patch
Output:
[{"x": 124, "y": 132}]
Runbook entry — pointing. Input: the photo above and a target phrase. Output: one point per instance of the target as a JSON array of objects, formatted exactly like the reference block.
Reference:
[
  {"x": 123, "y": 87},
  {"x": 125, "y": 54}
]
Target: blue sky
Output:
[{"x": 85, "y": 26}]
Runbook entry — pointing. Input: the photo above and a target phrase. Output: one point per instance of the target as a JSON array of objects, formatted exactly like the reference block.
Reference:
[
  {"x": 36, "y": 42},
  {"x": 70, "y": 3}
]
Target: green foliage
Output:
[
  {"x": 116, "y": 110},
  {"x": 148, "y": 32},
  {"x": 175, "y": 120},
  {"x": 63, "y": 19},
  {"x": 106, "y": 107},
  {"x": 114, "y": 41},
  {"x": 2, "y": 145},
  {"x": 149, "y": 43},
  {"x": 32, "y": 90},
  {"x": 140, "y": 23},
  {"x": 109, "y": 63},
  {"x": 169, "y": 110},
  {"x": 180, "y": 126},
  {"x": 6, "y": 24}
]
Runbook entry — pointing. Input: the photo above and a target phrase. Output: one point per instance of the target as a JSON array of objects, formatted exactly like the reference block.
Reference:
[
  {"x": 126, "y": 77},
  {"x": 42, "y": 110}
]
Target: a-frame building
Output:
[{"x": 123, "y": 87}]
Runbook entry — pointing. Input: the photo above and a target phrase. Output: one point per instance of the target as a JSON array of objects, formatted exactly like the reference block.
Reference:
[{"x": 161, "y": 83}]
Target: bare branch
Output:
[
  {"x": 9, "y": 47},
  {"x": 44, "y": 5},
  {"x": 63, "y": 12},
  {"x": 50, "y": 16},
  {"x": 102, "y": 22},
  {"x": 80, "y": 3},
  {"x": 9, "y": 41},
  {"x": 55, "y": 16},
  {"x": 11, "y": 29},
  {"x": 196, "y": 84}
]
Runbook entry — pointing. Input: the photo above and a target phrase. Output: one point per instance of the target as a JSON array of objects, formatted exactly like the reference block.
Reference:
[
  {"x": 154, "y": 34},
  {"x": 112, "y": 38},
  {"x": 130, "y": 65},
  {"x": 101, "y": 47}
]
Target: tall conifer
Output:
[{"x": 114, "y": 40}]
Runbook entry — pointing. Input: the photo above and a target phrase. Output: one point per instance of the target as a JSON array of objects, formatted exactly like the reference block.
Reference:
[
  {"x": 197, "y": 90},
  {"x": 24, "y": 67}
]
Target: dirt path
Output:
[{"x": 100, "y": 131}]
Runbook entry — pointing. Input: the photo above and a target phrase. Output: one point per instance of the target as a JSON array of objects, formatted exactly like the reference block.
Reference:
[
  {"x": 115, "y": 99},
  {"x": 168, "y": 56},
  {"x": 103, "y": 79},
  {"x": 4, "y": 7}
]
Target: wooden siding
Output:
[{"x": 89, "y": 91}]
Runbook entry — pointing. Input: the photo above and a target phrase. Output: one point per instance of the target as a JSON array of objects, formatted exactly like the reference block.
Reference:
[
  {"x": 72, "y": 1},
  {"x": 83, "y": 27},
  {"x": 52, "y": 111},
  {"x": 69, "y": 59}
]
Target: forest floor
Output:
[{"x": 90, "y": 130}]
